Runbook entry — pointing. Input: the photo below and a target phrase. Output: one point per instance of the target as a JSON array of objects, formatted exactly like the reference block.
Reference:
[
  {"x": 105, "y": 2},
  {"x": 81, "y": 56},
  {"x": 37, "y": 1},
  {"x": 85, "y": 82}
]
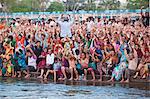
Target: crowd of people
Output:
[{"x": 69, "y": 48}]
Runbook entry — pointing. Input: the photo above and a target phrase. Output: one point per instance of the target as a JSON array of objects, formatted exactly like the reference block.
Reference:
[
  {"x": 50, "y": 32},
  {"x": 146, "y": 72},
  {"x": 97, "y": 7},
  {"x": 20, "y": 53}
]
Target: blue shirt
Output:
[{"x": 100, "y": 54}]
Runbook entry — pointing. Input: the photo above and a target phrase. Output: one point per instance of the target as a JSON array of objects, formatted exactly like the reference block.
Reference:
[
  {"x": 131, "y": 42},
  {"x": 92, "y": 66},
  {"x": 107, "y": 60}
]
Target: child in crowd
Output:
[
  {"x": 84, "y": 61},
  {"x": 4, "y": 68},
  {"x": 65, "y": 47},
  {"x": 56, "y": 68},
  {"x": 64, "y": 67}
]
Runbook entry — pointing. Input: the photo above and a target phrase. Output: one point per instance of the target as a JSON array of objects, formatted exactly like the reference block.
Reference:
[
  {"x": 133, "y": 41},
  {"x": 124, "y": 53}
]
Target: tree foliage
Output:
[
  {"x": 69, "y": 5},
  {"x": 20, "y": 5},
  {"x": 137, "y": 4},
  {"x": 110, "y": 4},
  {"x": 90, "y": 5},
  {"x": 56, "y": 6}
]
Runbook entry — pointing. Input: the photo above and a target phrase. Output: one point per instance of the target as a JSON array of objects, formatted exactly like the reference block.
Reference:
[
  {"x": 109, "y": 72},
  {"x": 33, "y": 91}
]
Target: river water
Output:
[{"x": 39, "y": 89}]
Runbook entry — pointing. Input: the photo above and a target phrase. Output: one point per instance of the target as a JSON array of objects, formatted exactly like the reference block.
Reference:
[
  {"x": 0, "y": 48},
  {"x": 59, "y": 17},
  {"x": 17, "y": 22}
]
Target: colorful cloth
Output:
[
  {"x": 42, "y": 63},
  {"x": 22, "y": 61}
]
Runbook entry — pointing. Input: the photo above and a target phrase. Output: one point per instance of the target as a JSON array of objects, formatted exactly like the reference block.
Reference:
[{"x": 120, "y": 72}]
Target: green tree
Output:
[
  {"x": 56, "y": 6},
  {"x": 21, "y": 5},
  {"x": 137, "y": 4},
  {"x": 73, "y": 5},
  {"x": 109, "y": 4},
  {"x": 90, "y": 5},
  {"x": 6, "y": 4}
]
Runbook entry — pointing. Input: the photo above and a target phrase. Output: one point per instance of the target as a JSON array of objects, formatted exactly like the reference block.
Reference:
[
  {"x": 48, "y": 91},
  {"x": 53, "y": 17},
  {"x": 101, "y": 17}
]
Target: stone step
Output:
[{"x": 89, "y": 77}]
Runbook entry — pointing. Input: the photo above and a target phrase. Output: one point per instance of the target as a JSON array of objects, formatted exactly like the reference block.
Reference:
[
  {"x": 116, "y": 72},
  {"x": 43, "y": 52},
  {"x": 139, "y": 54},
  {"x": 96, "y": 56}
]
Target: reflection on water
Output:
[{"x": 39, "y": 89}]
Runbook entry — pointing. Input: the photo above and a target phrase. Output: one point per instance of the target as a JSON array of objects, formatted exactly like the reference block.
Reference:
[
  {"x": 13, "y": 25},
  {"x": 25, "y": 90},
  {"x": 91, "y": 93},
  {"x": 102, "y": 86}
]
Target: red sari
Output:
[{"x": 42, "y": 63}]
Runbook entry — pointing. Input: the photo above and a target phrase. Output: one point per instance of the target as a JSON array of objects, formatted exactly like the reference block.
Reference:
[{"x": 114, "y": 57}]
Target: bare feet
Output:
[
  {"x": 19, "y": 75},
  {"x": 111, "y": 80},
  {"x": 27, "y": 76},
  {"x": 40, "y": 77},
  {"x": 71, "y": 79},
  {"x": 76, "y": 79},
  {"x": 122, "y": 81},
  {"x": 59, "y": 78},
  {"x": 45, "y": 77},
  {"x": 135, "y": 76},
  {"x": 13, "y": 76},
  {"x": 64, "y": 78},
  {"x": 100, "y": 80},
  {"x": 93, "y": 80},
  {"x": 54, "y": 80},
  {"x": 84, "y": 79},
  {"x": 144, "y": 76},
  {"x": 127, "y": 81}
]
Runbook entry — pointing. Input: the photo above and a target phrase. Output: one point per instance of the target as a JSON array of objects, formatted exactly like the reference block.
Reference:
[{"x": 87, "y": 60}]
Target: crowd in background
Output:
[{"x": 69, "y": 48}]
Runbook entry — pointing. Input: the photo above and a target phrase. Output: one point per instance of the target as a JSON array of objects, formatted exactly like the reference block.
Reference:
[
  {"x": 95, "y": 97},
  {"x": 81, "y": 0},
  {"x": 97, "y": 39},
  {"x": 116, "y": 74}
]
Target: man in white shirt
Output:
[
  {"x": 49, "y": 62},
  {"x": 31, "y": 61},
  {"x": 50, "y": 58},
  {"x": 65, "y": 24},
  {"x": 90, "y": 24}
]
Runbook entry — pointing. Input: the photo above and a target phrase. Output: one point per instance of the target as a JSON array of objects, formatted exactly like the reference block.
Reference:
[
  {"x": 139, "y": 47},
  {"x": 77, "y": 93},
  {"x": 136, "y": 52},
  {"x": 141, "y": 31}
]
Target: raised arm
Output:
[
  {"x": 33, "y": 53},
  {"x": 71, "y": 19},
  {"x": 135, "y": 53},
  {"x": 130, "y": 47},
  {"x": 142, "y": 49},
  {"x": 37, "y": 37},
  {"x": 59, "y": 19},
  {"x": 46, "y": 35},
  {"x": 125, "y": 52},
  {"x": 141, "y": 12},
  {"x": 94, "y": 58}
]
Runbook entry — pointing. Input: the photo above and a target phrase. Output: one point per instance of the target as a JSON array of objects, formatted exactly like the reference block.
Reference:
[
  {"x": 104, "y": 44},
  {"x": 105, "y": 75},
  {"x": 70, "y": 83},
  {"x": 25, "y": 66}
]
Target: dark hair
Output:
[
  {"x": 29, "y": 36},
  {"x": 49, "y": 20},
  {"x": 77, "y": 52},
  {"x": 17, "y": 53},
  {"x": 29, "y": 20},
  {"x": 37, "y": 41},
  {"x": 21, "y": 51},
  {"x": 10, "y": 37},
  {"x": 55, "y": 59},
  {"x": 28, "y": 51},
  {"x": 20, "y": 35},
  {"x": 43, "y": 35},
  {"x": 66, "y": 19},
  {"x": 84, "y": 53}
]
